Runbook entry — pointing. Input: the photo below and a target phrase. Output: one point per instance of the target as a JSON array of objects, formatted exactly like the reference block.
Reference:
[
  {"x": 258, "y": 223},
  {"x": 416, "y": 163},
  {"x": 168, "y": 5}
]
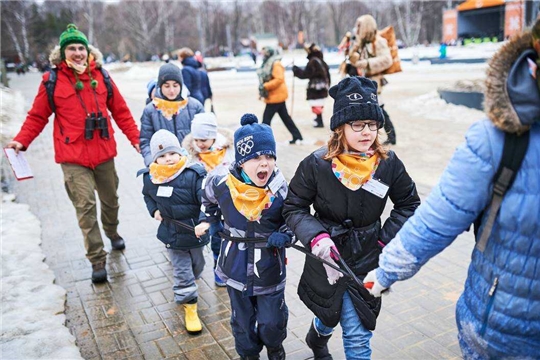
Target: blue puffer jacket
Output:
[
  {"x": 152, "y": 121},
  {"x": 249, "y": 267},
  {"x": 184, "y": 205},
  {"x": 498, "y": 314},
  {"x": 192, "y": 77}
]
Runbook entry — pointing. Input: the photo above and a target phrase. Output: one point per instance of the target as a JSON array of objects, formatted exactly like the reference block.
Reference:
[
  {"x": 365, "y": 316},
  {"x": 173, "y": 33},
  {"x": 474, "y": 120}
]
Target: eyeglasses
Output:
[{"x": 358, "y": 126}]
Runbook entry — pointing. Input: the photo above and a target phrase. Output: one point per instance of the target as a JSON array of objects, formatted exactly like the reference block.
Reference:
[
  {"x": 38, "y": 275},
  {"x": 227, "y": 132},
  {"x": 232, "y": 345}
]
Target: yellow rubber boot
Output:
[{"x": 193, "y": 324}]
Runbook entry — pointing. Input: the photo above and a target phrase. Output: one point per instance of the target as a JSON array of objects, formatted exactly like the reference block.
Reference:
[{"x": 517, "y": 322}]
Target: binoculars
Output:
[{"x": 96, "y": 122}]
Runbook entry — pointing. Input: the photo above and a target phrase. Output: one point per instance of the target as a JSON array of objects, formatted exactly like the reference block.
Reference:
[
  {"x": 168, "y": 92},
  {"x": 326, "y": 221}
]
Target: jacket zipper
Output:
[{"x": 491, "y": 295}]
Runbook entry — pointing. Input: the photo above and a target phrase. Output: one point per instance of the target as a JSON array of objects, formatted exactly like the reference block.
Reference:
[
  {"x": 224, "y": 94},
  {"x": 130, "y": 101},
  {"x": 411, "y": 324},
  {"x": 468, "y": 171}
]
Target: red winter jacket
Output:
[{"x": 70, "y": 146}]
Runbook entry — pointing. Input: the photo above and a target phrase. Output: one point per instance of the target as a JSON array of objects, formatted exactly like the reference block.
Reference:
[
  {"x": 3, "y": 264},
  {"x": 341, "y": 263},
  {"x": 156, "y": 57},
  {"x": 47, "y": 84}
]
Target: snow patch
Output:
[
  {"x": 32, "y": 306},
  {"x": 431, "y": 106},
  {"x": 12, "y": 113}
]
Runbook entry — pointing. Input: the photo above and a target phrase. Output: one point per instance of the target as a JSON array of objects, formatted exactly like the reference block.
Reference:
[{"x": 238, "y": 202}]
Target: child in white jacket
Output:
[{"x": 211, "y": 147}]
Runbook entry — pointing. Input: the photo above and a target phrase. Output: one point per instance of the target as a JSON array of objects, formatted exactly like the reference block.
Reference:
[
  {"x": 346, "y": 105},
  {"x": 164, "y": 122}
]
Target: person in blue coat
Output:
[
  {"x": 498, "y": 314},
  {"x": 191, "y": 74},
  {"x": 172, "y": 193},
  {"x": 170, "y": 109},
  {"x": 252, "y": 257}
]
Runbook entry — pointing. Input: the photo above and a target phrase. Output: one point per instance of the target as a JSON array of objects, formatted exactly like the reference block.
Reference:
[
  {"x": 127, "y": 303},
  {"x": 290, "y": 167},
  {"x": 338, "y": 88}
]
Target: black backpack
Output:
[
  {"x": 514, "y": 150},
  {"x": 51, "y": 84}
]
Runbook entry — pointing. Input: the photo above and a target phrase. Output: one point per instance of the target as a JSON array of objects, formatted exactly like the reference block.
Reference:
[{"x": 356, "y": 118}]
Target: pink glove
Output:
[{"x": 320, "y": 247}]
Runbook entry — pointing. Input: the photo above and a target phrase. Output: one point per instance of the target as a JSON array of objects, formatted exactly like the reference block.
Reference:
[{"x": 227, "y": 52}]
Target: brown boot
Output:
[{"x": 99, "y": 273}]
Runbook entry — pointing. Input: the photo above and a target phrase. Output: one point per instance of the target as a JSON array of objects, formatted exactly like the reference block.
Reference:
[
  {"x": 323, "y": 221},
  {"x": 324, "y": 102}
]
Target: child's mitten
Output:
[{"x": 278, "y": 239}]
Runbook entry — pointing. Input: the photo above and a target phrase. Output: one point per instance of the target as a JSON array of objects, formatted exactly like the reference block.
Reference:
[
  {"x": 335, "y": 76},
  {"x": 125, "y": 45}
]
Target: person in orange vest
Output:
[{"x": 273, "y": 90}]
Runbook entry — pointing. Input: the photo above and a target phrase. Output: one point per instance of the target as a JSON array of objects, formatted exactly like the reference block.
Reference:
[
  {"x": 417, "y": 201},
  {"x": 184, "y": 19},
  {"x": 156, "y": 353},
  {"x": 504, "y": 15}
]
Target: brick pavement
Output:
[{"x": 133, "y": 316}]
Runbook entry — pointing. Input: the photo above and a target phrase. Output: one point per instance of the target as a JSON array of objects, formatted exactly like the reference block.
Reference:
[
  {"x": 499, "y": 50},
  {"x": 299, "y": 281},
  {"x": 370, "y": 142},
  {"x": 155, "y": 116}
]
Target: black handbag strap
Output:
[{"x": 514, "y": 150}]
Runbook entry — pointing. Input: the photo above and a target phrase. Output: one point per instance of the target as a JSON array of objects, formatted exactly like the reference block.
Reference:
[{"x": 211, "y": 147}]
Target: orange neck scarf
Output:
[
  {"x": 169, "y": 108},
  {"x": 213, "y": 158},
  {"x": 249, "y": 200},
  {"x": 160, "y": 174},
  {"x": 353, "y": 170}
]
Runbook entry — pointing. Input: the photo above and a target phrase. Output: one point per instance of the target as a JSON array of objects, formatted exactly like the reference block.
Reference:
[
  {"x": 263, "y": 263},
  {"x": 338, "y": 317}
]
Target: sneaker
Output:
[
  {"x": 99, "y": 273},
  {"x": 218, "y": 281},
  {"x": 117, "y": 242},
  {"x": 193, "y": 324}
]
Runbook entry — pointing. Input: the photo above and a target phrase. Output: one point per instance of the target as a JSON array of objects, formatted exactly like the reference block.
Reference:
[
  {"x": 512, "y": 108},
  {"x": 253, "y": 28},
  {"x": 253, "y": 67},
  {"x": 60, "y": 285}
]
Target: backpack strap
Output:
[
  {"x": 49, "y": 86},
  {"x": 514, "y": 150},
  {"x": 107, "y": 80}
]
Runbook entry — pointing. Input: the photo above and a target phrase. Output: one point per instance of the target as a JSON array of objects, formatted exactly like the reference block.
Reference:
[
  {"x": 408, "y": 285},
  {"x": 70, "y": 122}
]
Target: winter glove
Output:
[
  {"x": 320, "y": 247},
  {"x": 278, "y": 239},
  {"x": 295, "y": 69},
  {"x": 373, "y": 286}
]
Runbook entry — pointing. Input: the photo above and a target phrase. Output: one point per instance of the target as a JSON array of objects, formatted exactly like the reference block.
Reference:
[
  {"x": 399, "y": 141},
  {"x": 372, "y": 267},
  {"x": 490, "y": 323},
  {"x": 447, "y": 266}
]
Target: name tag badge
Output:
[
  {"x": 164, "y": 191},
  {"x": 376, "y": 187}
]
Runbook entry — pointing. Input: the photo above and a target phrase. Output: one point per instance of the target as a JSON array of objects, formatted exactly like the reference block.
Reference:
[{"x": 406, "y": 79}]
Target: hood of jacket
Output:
[
  {"x": 55, "y": 57},
  {"x": 223, "y": 141},
  {"x": 192, "y": 62},
  {"x": 512, "y": 96}
]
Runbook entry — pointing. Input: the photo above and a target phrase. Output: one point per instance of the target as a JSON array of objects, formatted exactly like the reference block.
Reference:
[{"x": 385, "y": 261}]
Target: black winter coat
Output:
[
  {"x": 352, "y": 218},
  {"x": 184, "y": 205},
  {"x": 318, "y": 74}
]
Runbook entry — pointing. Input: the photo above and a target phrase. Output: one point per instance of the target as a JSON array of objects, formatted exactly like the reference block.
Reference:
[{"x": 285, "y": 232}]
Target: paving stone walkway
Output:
[{"x": 133, "y": 316}]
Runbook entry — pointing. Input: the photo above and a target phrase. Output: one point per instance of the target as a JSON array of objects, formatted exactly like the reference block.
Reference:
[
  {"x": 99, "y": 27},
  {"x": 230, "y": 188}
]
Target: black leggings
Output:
[{"x": 281, "y": 109}]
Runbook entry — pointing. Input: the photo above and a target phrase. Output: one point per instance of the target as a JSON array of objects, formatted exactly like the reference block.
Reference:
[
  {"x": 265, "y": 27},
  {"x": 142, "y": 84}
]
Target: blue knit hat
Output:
[
  {"x": 355, "y": 98},
  {"x": 253, "y": 139},
  {"x": 150, "y": 86}
]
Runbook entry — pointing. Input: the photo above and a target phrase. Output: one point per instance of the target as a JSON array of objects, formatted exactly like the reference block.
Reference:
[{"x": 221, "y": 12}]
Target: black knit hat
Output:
[
  {"x": 355, "y": 98},
  {"x": 169, "y": 72}
]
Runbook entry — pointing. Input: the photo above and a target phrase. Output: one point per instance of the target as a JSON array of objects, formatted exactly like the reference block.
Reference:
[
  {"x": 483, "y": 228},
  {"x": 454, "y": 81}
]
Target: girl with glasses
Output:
[{"x": 348, "y": 183}]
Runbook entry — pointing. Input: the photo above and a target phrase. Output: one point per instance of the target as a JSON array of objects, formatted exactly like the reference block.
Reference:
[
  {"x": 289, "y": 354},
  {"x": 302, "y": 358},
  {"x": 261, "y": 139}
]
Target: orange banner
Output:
[
  {"x": 478, "y": 4},
  {"x": 513, "y": 17},
  {"x": 450, "y": 30}
]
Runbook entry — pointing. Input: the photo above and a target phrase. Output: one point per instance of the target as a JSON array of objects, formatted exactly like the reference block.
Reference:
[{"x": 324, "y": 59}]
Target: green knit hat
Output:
[{"x": 70, "y": 36}]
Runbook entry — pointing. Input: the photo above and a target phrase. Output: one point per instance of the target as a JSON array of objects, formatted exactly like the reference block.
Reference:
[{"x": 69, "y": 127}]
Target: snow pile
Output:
[
  {"x": 32, "y": 306},
  {"x": 431, "y": 106},
  {"x": 143, "y": 71},
  {"x": 11, "y": 108}
]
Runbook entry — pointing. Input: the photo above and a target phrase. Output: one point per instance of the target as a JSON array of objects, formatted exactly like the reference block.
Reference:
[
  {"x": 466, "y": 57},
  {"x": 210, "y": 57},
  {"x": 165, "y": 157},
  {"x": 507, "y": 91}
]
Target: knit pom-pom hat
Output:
[{"x": 253, "y": 139}]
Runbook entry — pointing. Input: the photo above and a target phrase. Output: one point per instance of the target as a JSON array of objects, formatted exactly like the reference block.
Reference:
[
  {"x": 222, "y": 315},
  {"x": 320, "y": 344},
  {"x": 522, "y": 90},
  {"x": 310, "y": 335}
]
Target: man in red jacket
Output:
[{"x": 84, "y": 142}]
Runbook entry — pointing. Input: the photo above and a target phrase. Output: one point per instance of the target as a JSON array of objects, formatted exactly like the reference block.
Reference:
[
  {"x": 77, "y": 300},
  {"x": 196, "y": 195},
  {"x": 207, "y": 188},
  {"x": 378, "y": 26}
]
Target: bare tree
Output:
[
  {"x": 143, "y": 21},
  {"x": 16, "y": 20},
  {"x": 409, "y": 18}
]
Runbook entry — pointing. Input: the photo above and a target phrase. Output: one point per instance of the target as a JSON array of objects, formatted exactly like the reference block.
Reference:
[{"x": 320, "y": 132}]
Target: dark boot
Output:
[
  {"x": 276, "y": 353},
  {"x": 250, "y": 357},
  {"x": 117, "y": 242},
  {"x": 318, "y": 344},
  {"x": 99, "y": 273},
  {"x": 318, "y": 123}
]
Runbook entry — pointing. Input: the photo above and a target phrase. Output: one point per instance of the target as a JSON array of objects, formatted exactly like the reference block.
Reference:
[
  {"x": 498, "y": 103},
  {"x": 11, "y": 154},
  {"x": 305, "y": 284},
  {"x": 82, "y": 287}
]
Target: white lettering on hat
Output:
[
  {"x": 355, "y": 96},
  {"x": 373, "y": 97},
  {"x": 244, "y": 146}
]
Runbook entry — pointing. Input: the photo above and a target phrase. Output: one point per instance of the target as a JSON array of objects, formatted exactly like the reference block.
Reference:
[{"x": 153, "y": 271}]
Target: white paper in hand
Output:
[{"x": 18, "y": 163}]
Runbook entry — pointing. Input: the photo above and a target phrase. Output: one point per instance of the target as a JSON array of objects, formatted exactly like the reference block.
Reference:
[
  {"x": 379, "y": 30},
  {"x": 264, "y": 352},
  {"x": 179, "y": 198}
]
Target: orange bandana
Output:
[
  {"x": 354, "y": 170},
  {"x": 160, "y": 174},
  {"x": 249, "y": 200},
  {"x": 79, "y": 69},
  {"x": 169, "y": 108},
  {"x": 211, "y": 159}
]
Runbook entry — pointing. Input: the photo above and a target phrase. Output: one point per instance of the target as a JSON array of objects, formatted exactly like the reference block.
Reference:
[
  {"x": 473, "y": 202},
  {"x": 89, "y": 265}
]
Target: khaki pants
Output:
[{"x": 81, "y": 183}]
